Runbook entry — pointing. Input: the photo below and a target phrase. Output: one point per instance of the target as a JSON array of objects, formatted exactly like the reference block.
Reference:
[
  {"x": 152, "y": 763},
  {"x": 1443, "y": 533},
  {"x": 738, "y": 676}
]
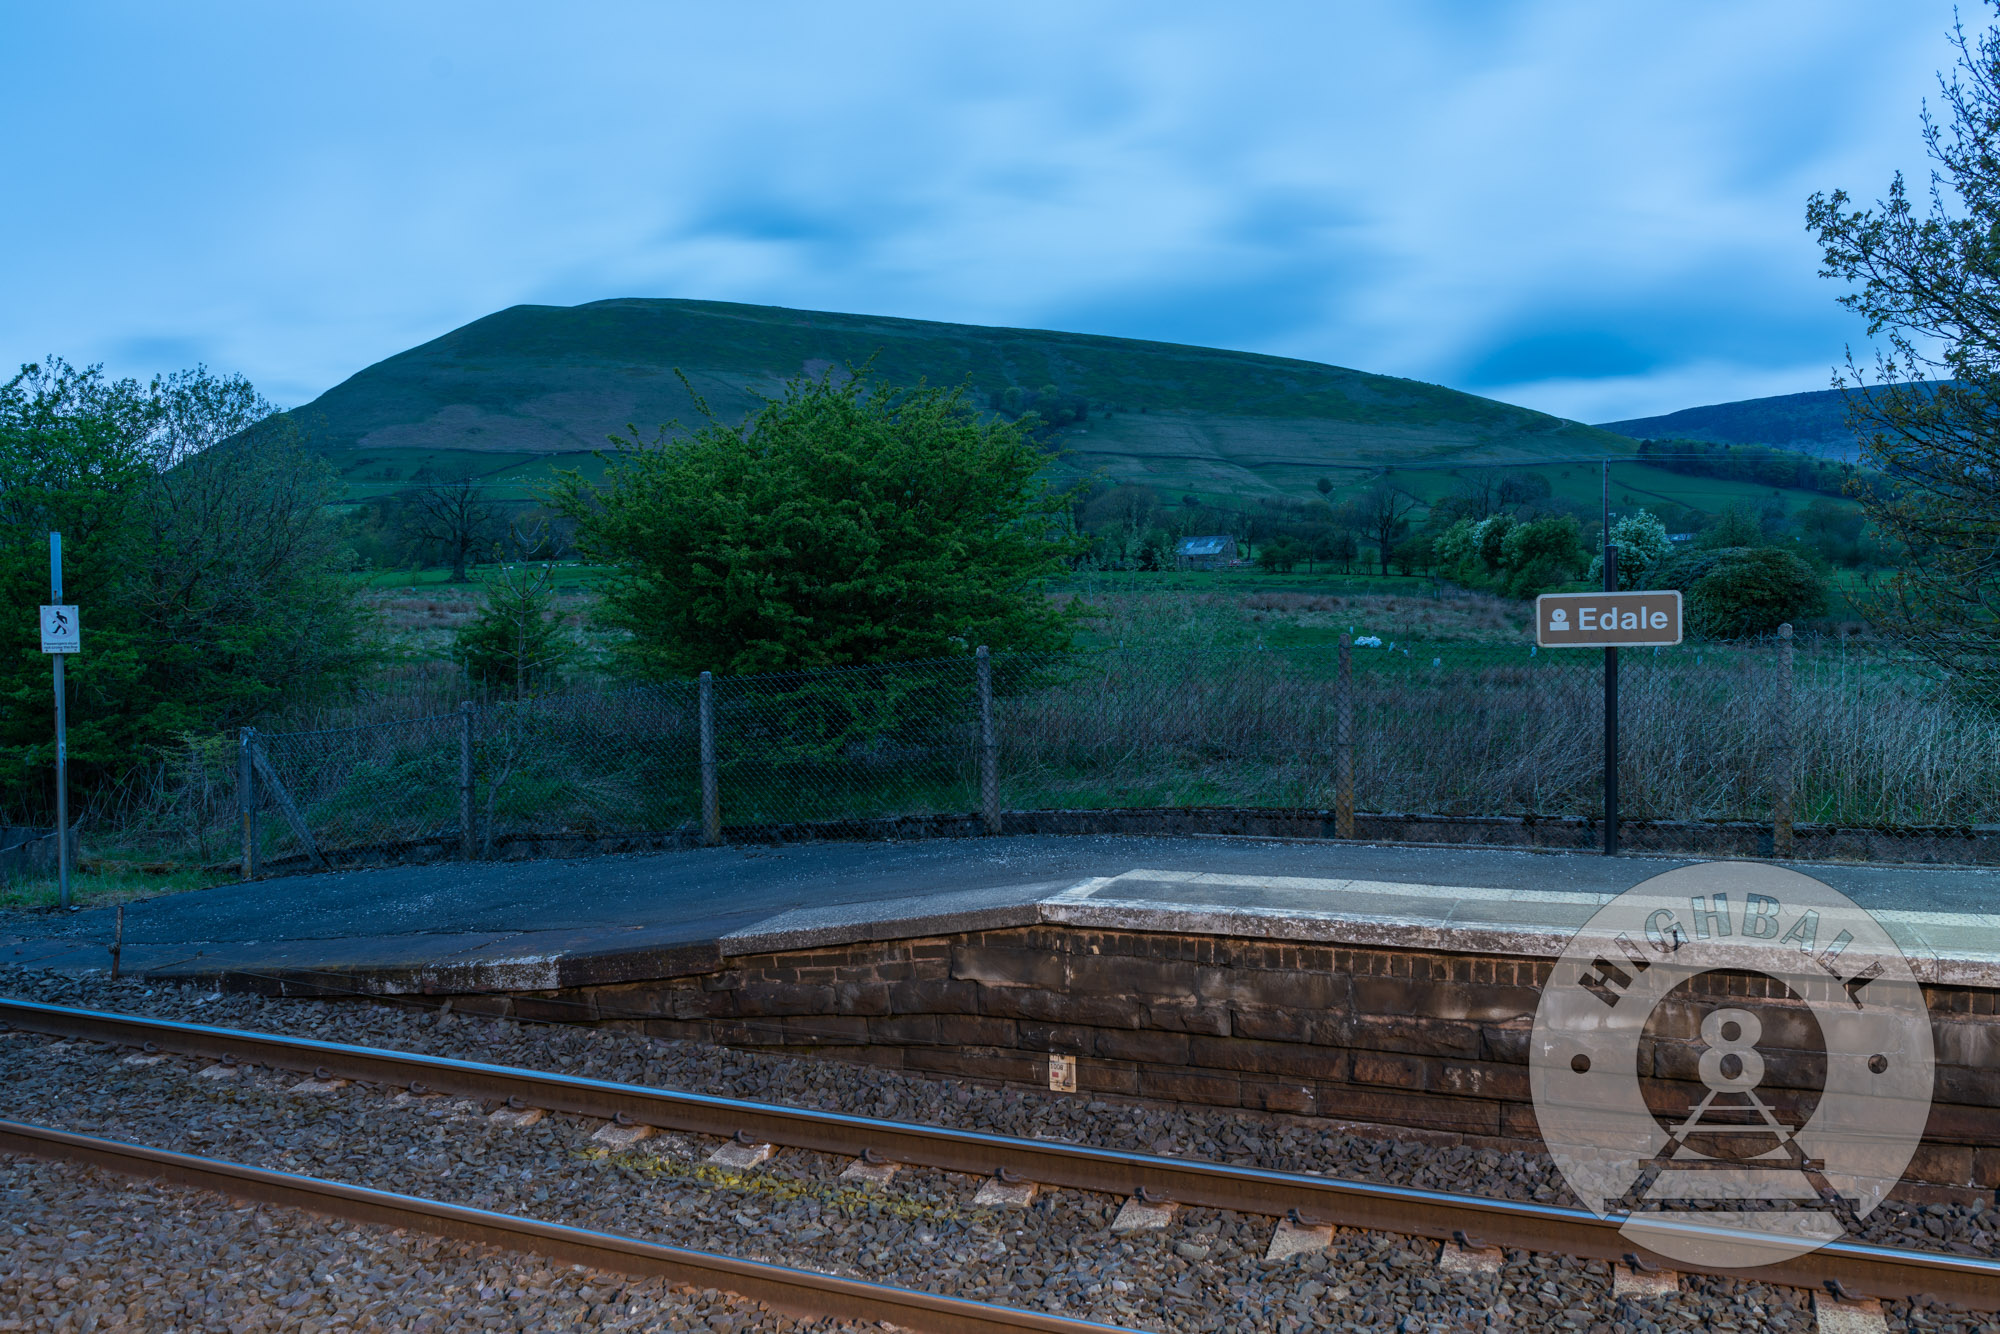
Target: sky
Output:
[{"x": 1592, "y": 209}]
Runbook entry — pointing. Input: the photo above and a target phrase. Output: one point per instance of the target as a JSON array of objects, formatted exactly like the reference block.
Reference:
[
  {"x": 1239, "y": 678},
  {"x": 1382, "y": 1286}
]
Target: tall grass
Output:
[{"x": 1446, "y": 727}]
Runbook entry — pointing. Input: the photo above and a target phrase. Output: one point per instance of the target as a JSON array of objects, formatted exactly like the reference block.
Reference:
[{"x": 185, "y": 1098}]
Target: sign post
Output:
[
  {"x": 1611, "y": 620},
  {"x": 61, "y": 636},
  {"x": 1610, "y": 712}
]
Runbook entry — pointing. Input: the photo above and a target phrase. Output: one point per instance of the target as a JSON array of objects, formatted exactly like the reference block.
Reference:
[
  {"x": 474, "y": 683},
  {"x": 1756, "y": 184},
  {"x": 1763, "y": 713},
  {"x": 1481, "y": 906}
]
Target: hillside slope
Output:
[
  {"x": 1812, "y": 423},
  {"x": 532, "y": 387}
]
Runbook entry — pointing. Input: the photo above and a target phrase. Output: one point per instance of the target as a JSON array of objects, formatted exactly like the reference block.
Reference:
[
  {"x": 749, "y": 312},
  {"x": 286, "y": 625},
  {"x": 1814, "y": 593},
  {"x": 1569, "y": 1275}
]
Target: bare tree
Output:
[
  {"x": 1382, "y": 514},
  {"x": 452, "y": 512}
]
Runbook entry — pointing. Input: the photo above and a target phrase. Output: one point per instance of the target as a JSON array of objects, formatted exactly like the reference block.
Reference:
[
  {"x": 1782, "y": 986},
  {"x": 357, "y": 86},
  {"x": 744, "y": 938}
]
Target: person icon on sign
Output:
[{"x": 1559, "y": 619}]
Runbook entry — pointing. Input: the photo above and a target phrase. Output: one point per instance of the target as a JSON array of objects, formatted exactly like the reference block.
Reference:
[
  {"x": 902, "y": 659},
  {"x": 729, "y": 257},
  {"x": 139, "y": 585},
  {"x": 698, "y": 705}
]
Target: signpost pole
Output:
[
  {"x": 1610, "y": 716},
  {"x": 62, "y": 736}
]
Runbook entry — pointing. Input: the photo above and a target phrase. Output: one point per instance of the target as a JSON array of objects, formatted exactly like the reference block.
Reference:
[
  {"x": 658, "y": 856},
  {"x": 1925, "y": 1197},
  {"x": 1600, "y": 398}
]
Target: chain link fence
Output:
[{"x": 1814, "y": 748}]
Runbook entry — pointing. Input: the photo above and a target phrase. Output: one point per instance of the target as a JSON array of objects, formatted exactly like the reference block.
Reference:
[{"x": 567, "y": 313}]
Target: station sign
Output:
[{"x": 1641, "y": 618}]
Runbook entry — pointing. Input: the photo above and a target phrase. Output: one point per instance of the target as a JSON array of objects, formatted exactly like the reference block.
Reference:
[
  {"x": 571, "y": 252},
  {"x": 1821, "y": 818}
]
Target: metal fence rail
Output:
[{"x": 1815, "y": 747}]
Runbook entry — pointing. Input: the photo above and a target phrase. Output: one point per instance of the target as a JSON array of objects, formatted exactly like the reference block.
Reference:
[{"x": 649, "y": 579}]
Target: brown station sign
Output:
[{"x": 1637, "y": 619}]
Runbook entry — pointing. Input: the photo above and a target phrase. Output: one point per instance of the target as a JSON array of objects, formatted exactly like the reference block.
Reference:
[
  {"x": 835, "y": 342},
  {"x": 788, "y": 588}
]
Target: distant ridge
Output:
[
  {"x": 510, "y": 395},
  {"x": 1812, "y": 423}
]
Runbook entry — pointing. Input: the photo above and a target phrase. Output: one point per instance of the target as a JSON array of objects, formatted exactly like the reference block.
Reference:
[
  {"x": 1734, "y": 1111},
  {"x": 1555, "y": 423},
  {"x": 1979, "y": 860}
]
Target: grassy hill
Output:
[
  {"x": 531, "y": 387},
  {"x": 511, "y": 397},
  {"x": 1814, "y": 423}
]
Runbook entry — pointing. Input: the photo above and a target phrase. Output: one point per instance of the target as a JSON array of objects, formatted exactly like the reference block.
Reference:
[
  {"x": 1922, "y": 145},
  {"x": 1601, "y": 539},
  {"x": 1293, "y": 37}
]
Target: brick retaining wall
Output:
[{"x": 1408, "y": 1038}]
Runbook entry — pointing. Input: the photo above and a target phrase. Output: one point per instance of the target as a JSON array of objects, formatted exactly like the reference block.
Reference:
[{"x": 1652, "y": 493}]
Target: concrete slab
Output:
[
  {"x": 1456, "y": 1259},
  {"x": 1629, "y": 1282},
  {"x": 861, "y": 1172},
  {"x": 518, "y": 1118},
  {"x": 742, "y": 1156},
  {"x": 1856, "y": 1317},
  {"x": 614, "y": 1136},
  {"x": 1137, "y": 1215},
  {"x": 1289, "y": 1239},
  {"x": 993, "y": 1193}
]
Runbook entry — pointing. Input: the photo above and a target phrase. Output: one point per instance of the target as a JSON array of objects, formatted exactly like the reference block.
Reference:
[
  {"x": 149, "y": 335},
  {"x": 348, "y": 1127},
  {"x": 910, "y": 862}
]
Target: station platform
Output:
[
  {"x": 1386, "y": 985},
  {"x": 518, "y": 925}
]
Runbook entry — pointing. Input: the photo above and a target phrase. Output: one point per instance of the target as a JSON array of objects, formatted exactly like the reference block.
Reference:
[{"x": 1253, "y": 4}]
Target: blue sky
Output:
[{"x": 1594, "y": 209}]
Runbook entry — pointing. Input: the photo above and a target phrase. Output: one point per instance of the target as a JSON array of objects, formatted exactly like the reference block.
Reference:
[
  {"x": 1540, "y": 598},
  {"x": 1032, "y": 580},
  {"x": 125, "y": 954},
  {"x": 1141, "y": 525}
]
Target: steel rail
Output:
[
  {"x": 1858, "y": 1268},
  {"x": 797, "y": 1292}
]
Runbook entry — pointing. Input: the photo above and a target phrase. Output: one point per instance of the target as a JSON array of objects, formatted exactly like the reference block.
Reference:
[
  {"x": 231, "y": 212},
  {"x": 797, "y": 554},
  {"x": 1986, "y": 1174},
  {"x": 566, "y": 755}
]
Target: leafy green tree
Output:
[
  {"x": 1833, "y": 530},
  {"x": 1540, "y": 554},
  {"x": 1489, "y": 540},
  {"x": 1928, "y": 281},
  {"x": 1281, "y": 557},
  {"x": 1734, "y": 527},
  {"x": 841, "y": 523},
  {"x": 196, "y": 543},
  {"x": 1752, "y": 591}
]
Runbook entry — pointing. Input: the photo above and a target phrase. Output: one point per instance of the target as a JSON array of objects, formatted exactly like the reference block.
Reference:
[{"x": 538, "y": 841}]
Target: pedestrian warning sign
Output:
[{"x": 60, "y": 631}]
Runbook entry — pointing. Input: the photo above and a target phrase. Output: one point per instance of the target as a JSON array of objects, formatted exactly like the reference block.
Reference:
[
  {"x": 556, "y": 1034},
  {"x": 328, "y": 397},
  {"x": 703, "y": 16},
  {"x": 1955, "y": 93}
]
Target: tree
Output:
[
  {"x": 1734, "y": 527},
  {"x": 1324, "y": 486},
  {"x": 1929, "y": 282},
  {"x": 841, "y": 523},
  {"x": 1833, "y": 530},
  {"x": 1281, "y": 557},
  {"x": 196, "y": 541},
  {"x": 451, "y": 512},
  {"x": 1541, "y": 554},
  {"x": 517, "y": 644},
  {"x": 1749, "y": 591},
  {"x": 1382, "y": 515},
  {"x": 1641, "y": 542}
]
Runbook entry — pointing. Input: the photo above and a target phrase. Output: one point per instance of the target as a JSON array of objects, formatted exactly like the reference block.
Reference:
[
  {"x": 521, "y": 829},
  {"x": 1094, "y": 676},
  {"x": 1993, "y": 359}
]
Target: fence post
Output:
[
  {"x": 711, "y": 797},
  {"x": 1781, "y": 750},
  {"x": 1343, "y": 743},
  {"x": 246, "y": 799},
  {"x": 989, "y": 746},
  {"x": 465, "y": 831}
]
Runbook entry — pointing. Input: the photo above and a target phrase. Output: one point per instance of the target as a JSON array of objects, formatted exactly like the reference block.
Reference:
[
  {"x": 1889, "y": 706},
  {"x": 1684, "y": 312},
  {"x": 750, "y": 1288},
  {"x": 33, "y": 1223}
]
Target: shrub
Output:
[{"x": 1744, "y": 590}]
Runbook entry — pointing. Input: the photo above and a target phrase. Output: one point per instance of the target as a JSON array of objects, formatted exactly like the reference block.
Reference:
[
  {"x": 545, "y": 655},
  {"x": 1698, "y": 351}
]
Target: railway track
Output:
[{"x": 1304, "y": 1200}]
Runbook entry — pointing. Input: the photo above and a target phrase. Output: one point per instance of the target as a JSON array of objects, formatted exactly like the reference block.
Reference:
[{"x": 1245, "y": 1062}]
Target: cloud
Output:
[{"x": 1595, "y": 206}]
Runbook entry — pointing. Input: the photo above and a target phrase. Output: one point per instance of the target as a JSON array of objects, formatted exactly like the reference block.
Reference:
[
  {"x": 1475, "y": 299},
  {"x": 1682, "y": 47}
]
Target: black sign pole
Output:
[
  {"x": 1610, "y": 718},
  {"x": 1610, "y": 687}
]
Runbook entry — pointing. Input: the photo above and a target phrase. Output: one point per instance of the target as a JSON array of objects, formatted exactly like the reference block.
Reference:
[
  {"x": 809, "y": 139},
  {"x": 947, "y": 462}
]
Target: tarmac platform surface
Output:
[{"x": 530, "y": 924}]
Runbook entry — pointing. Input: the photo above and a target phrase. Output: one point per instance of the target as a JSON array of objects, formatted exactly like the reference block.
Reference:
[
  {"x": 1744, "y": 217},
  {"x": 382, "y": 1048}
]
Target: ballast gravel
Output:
[
  {"x": 1203, "y": 1272},
  {"x": 82, "y": 1249}
]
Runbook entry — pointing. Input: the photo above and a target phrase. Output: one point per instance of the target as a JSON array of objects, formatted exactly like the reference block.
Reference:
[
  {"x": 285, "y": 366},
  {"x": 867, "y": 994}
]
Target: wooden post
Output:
[
  {"x": 1343, "y": 743},
  {"x": 989, "y": 746},
  {"x": 465, "y": 748},
  {"x": 711, "y": 796},
  {"x": 246, "y": 799},
  {"x": 1782, "y": 750}
]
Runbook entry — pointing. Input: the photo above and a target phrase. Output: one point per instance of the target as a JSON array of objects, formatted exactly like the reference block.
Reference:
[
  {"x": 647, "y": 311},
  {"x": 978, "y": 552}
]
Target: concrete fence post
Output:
[
  {"x": 711, "y": 795},
  {"x": 989, "y": 746},
  {"x": 1343, "y": 742},
  {"x": 466, "y": 845},
  {"x": 1783, "y": 750},
  {"x": 246, "y": 798}
]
